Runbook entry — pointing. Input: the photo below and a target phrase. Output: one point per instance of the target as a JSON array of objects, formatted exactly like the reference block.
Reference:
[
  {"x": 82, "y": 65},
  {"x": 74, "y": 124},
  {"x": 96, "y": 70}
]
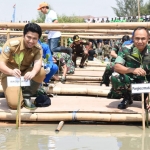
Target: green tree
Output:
[
  {"x": 61, "y": 18},
  {"x": 146, "y": 8},
  {"x": 128, "y": 8},
  {"x": 41, "y": 17},
  {"x": 70, "y": 19}
]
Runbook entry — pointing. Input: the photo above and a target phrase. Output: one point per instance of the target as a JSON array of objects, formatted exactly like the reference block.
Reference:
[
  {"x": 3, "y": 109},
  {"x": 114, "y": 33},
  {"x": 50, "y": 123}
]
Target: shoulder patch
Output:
[
  {"x": 7, "y": 49},
  {"x": 13, "y": 43}
]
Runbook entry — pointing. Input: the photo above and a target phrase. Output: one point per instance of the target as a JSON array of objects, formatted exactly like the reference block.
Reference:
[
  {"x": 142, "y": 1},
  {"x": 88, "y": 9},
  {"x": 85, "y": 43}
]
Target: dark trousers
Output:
[{"x": 83, "y": 59}]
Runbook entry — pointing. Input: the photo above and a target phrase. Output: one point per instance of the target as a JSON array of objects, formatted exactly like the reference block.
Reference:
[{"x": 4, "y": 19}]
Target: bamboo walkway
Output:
[{"x": 80, "y": 98}]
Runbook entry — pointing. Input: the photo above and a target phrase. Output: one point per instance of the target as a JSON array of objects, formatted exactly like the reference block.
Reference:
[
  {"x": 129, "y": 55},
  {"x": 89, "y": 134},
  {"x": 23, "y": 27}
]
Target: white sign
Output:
[
  {"x": 13, "y": 81},
  {"x": 140, "y": 88}
]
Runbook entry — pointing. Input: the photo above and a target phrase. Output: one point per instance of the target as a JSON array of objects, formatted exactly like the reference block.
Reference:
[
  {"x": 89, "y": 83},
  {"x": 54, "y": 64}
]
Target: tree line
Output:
[{"x": 125, "y": 8}]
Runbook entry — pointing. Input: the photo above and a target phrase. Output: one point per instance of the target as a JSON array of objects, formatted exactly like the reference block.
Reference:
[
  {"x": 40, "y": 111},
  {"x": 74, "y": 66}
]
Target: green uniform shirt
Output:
[
  {"x": 116, "y": 48},
  {"x": 131, "y": 57}
]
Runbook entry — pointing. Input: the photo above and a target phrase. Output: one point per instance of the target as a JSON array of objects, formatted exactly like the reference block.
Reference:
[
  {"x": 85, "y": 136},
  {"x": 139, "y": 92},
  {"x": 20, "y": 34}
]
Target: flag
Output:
[{"x": 13, "y": 16}]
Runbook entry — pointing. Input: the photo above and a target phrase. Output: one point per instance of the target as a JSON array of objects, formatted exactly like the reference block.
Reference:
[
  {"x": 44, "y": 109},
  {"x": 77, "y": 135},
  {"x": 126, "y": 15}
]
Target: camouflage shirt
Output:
[
  {"x": 65, "y": 59},
  {"x": 130, "y": 56},
  {"x": 116, "y": 48}
]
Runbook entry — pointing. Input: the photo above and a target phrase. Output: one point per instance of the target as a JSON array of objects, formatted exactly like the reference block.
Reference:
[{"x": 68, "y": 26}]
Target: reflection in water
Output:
[{"x": 74, "y": 137}]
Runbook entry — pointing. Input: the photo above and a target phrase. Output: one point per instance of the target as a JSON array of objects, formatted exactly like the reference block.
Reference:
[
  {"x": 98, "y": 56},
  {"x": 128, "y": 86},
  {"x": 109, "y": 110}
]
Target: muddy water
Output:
[{"x": 74, "y": 137}]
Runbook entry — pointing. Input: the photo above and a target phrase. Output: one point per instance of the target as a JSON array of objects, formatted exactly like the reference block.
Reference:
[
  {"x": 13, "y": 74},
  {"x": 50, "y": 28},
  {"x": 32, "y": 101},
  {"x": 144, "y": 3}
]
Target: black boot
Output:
[
  {"x": 105, "y": 77},
  {"x": 106, "y": 83},
  {"x": 27, "y": 101},
  {"x": 126, "y": 101}
]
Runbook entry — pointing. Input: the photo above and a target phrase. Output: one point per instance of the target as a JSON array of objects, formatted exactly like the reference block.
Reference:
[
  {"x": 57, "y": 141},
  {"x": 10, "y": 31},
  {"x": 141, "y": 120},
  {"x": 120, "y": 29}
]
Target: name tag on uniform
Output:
[{"x": 13, "y": 81}]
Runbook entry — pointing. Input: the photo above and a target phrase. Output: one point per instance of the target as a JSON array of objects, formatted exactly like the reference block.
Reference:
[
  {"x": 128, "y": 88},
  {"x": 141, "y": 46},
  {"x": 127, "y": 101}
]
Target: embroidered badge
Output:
[{"x": 7, "y": 49}]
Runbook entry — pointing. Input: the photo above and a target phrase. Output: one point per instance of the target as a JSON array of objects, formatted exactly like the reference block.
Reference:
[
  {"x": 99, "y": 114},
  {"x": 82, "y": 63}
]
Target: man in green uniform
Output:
[
  {"x": 132, "y": 66},
  {"x": 79, "y": 50},
  {"x": 106, "y": 47},
  {"x": 110, "y": 67},
  {"x": 30, "y": 67}
]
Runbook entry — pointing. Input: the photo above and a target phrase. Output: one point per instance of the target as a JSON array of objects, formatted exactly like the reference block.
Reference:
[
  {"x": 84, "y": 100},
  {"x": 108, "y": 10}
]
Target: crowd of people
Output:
[
  {"x": 144, "y": 18},
  {"x": 130, "y": 61}
]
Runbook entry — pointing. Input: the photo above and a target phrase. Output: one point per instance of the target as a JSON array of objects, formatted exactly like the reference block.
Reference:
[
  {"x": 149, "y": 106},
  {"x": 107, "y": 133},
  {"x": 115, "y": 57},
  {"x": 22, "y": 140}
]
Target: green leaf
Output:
[
  {"x": 47, "y": 57},
  {"x": 59, "y": 55},
  {"x": 17, "y": 59},
  {"x": 21, "y": 56}
]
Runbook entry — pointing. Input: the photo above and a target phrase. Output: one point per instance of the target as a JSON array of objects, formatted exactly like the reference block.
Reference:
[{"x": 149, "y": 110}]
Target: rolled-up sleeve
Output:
[
  {"x": 119, "y": 60},
  {"x": 121, "y": 57}
]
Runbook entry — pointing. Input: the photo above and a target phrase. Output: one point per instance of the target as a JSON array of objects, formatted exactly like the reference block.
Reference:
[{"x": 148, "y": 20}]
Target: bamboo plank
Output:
[{"x": 80, "y": 25}]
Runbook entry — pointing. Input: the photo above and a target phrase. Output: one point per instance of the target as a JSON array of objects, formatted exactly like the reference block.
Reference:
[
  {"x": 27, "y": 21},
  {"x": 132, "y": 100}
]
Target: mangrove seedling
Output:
[{"x": 18, "y": 59}]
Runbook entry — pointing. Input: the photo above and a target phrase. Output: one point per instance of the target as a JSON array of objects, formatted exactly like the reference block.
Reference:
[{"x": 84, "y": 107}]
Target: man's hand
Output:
[
  {"x": 139, "y": 71},
  {"x": 54, "y": 60},
  {"x": 29, "y": 75},
  {"x": 16, "y": 73}
]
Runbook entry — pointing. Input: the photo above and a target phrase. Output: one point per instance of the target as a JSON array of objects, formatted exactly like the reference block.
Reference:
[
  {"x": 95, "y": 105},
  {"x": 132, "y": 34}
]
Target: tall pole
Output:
[{"x": 138, "y": 2}]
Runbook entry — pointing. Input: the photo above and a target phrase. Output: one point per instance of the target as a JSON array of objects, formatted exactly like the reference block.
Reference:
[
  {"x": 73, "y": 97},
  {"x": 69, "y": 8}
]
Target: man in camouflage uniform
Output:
[
  {"x": 132, "y": 66},
  {"x": 79, "y": 50},
  {"x": 64, "y": 60},
  {"x": 110, "y": 67},
  {"x": 106, "y": 48}
]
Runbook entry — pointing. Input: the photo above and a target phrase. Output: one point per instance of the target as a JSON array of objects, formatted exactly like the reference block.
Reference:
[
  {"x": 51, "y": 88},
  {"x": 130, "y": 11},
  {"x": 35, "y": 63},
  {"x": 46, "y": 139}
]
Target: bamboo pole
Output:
[
  {"x": 79, "y": 91},
  {"x": 91, "y": 34},
  {"x": 97, "y": 37},
  {"x": 78, "y": 116},
  {"x": 45, "y": 26},
  {"x": 62, "y": 41},
  {"x": 143, "y": 140},
  {"x": 8, "y": 34},
  {"x": 68, "y": 36},
  {"x": 107, "y": 31},
  {"x": 143, "y": 112},
  {"x": 94, "y": 31},
  {"x": 81, "y": 78},
  {"x": 91, "y": 69},
  {"x": 65, "y": 41}
]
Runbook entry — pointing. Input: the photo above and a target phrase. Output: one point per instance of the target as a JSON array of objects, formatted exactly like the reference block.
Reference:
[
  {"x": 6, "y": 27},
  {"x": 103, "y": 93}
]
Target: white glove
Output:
[{"x": 47, "y": 70}]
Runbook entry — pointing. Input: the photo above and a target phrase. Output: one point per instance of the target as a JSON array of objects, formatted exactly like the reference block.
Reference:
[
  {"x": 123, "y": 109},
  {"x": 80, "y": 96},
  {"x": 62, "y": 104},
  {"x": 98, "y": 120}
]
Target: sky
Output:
[{"x": 26, "y": 10}]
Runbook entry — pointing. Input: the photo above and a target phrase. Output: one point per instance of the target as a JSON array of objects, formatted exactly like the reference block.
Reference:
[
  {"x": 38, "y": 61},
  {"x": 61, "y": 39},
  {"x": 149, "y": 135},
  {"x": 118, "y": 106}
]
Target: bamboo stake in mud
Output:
[
  {"x": 143, "y": 112},
  {"x": 60, "y": 125}
]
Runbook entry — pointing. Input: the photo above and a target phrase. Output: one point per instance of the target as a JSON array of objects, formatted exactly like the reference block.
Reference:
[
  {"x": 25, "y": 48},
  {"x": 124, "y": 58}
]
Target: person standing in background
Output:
[
  {"x": 51, "y": 17},
  {"x": 53, "y": 36}
]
